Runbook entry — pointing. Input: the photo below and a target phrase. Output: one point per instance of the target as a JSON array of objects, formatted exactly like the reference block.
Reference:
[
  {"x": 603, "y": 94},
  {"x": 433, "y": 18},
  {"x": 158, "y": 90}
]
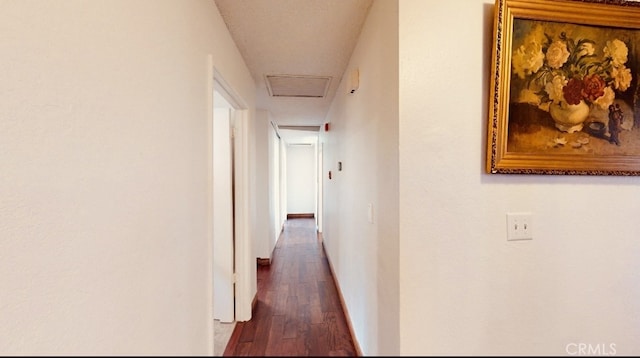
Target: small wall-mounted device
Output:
[
  {"x": 339, "y": 166},
  {"x": 354, "y": 80},
  {"x": 329, "y": 174},
  {"x": 326, "y": 127}
]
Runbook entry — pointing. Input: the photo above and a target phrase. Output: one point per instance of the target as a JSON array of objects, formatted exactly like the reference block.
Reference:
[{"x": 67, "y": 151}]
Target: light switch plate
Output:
[{"x": 519, "y": 226}]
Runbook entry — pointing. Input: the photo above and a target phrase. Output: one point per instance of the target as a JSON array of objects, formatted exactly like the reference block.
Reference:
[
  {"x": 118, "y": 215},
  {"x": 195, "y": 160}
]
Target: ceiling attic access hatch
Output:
[
  {"x": 300, "y": 128},
  {"x": 297, "y": 86}
]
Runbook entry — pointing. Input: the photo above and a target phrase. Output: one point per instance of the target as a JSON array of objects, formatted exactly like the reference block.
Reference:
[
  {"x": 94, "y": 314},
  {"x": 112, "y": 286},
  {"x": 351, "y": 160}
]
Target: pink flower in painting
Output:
[
  {"x": 592, "y": 87},
  {"x": 557, "y": 54}
]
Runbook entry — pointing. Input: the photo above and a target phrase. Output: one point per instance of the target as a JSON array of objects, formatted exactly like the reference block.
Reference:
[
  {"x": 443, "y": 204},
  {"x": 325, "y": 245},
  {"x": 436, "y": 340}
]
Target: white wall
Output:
[
  {"x": 319, "y": 195},
  {"x": 267, "y": 178},
  {"x": 105, "y": 226},
  {"x": 465, "y": 289},
  {"x": 363, "y": 135},
  {"x": 275, "y": 222},
  {"x": 301, "y": 179},
  {"x": 245, "y": 212},
  {"x": 283, "y": 181},
  {"x": 262, "y": 233}
]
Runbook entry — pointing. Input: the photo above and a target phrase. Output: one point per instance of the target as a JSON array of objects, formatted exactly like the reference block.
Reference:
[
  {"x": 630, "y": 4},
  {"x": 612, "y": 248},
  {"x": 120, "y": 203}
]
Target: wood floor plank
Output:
[
  {"x": 274, "y": 344},
  {"x": 298, "y": 310},
  {"x": 317, "y": 340},
  {"x": 316, "y": 312},
  {"x": 261, "y": 338},
  {"x": 280, "y": 302},
  {"x": 302, "y": 292},
  {"x": 291, "y": 322},
  {"x": 242, "y": 349}
]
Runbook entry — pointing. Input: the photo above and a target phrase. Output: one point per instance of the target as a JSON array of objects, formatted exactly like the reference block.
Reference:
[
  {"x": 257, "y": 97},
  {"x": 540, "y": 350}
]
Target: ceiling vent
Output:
[
  {"x": 297, "y": 86},
  {"x": 300, "y": 128}
]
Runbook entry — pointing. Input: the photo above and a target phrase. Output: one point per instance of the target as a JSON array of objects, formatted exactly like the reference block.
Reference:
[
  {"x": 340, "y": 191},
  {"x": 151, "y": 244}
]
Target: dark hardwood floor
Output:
[{"x": 298, "y": 310}]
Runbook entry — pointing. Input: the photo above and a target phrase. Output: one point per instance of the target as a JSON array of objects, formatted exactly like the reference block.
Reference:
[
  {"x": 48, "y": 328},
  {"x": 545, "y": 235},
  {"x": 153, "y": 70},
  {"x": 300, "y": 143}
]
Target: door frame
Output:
[{"x": 242, "y": 246}]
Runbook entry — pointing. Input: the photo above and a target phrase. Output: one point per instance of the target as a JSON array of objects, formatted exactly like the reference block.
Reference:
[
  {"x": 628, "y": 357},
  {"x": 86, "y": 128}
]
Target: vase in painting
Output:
[{"x": 569, "y": 117}]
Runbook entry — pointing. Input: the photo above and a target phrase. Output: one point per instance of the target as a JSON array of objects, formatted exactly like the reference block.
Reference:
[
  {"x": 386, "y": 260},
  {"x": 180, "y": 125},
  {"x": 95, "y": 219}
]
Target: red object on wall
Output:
[{"x": 326, "y": 127}]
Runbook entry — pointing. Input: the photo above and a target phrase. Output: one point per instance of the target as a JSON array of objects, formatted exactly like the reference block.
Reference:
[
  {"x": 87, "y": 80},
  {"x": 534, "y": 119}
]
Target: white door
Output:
[{"x": 223, "y": 239}]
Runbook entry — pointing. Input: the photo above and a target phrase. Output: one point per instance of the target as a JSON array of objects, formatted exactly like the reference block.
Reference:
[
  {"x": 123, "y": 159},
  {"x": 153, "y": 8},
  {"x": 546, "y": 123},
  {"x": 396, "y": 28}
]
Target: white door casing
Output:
[{"x": 241, "y": 218}]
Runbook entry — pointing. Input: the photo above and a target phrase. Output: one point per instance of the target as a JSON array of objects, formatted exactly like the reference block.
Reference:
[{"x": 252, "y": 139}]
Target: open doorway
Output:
[
  {"x": 231, "y": 272},
  {"x": 301, "y": 178}
]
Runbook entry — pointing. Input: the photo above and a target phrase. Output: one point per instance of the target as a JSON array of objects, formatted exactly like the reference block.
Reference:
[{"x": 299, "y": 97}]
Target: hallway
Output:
[{"x": 298, "y": 310}]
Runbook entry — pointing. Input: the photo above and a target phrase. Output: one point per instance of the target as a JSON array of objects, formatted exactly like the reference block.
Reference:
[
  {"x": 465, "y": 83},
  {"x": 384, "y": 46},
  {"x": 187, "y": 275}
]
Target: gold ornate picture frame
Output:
[{"x": 565, "y": 88}]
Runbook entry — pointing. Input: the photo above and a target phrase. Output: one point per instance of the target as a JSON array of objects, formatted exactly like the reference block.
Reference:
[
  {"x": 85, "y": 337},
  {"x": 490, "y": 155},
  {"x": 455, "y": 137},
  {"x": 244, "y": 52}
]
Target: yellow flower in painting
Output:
[
  {"x": 554, "y": 88},
  {"x": 527, "y": 59},
  {"x": 621, "y": 77},
  {"x": 617, "y": 51}
]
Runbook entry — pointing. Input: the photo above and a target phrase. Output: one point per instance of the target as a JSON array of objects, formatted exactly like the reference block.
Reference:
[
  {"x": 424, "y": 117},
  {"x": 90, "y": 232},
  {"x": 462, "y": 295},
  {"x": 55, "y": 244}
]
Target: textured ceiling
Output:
[{"x": 295, "y": 38}]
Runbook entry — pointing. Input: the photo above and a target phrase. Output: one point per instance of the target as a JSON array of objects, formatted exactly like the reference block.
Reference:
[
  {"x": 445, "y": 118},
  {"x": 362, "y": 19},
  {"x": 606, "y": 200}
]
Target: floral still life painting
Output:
[{"x": 565, "y": 92}]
